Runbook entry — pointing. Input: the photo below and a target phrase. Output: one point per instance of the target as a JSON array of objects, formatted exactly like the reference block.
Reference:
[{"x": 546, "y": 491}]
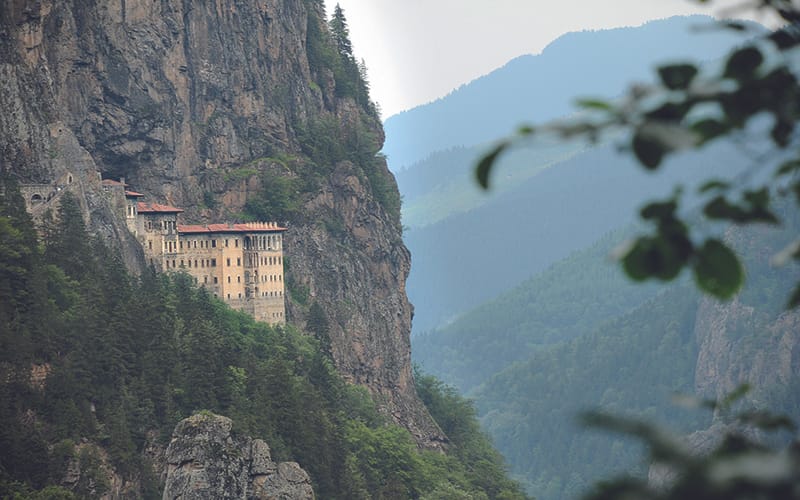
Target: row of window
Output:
[
  {"x": 203, "y": 263},
  {"x": 161, "y": 225},
  {"x": 271, "y": 261},
  {"x": 205, "y": 281},
  {"x": 172, "y": 247},
  {"x": 203, "y": 244},
  {"x": 272, "y": 242}
]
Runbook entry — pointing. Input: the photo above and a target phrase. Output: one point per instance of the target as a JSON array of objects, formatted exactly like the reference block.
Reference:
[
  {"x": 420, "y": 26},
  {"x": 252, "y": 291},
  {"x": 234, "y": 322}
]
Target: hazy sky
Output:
[{"x": 419, "y": 50}]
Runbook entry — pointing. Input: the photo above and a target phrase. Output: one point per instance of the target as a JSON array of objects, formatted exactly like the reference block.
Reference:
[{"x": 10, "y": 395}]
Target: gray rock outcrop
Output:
[{"x": 205, "y": 460}]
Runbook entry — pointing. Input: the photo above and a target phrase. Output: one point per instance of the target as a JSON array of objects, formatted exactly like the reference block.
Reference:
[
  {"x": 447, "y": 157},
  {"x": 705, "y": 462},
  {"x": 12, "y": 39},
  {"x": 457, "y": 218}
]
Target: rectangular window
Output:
[
  {"x": 214, "y": 243},
  {"x": 226, "y": 243},
  {"x": 238, "y": 261},
  {"x": 213, "y": 262},
  {"x": 236, "y": 242},
  {"x": 215, "y": 280},
  {"x": 229, "y": 262}
]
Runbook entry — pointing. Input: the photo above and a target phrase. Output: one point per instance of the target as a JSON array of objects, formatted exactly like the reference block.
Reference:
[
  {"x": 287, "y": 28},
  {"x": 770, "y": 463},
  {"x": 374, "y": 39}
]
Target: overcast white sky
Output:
[{"x": 419, "y": 50}]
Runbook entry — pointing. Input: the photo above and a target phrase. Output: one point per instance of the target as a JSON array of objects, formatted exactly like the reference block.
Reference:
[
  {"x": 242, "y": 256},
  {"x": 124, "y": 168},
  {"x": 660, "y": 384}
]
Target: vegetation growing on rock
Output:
[{"x": 94, "y": 356}]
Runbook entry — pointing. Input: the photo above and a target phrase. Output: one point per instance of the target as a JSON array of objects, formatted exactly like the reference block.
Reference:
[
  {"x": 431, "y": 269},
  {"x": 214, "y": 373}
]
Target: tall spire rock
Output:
[{"x": 227, "y": 109}]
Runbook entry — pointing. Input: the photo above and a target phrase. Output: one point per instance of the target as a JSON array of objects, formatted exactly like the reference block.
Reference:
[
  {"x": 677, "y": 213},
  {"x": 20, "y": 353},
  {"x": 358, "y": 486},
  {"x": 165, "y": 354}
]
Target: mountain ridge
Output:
[{"x": 494, "y": 104}]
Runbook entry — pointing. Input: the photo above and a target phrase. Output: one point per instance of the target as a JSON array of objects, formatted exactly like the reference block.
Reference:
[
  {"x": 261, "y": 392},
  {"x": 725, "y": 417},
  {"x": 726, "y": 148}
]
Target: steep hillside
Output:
[
  {"x": 534, "y": 89},
  {"x": 232, "y": 111},
  {"x": 588, "y": 352},
  {"x": 97, "y": 368},
  {"x": 630, "y": 365},
  {"x": 567, "y": 300},
  {"x": 444, "y": 184},
  {"x": 468, "y": 258}
]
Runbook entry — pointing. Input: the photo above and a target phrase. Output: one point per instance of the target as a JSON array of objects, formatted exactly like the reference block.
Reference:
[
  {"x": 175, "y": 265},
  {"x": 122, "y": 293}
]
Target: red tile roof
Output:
[
  {"x": 248, "y": 227},
  {"x": 134, "y": 194},
  {"x": 143, "y": 208}
]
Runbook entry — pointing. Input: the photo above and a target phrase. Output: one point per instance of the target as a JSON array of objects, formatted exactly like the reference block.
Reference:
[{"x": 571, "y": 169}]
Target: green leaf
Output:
[
  {"x": 734, "y": 396},
  {"x": 595, "y": 104},
  {"x": 719, "y": 208},
  {"x": 677, "y": 76},
  {"x": 784, "y": 39},
  {"x": 714, "y": 184},
  {"x": 670, "y": 112},
  {"x": 794, "y": 300},
  {"x": 743, "y": 63},
  {"x": 754, "y": 209},
  {"x": 657, "y": 257},
  {"x": 709, "y": 128},
  {"x": 659, "y": 210},
  {"x": 637, "y": 261},
  {"x": 717, "y": 270},
  {"x": 526, "y": 130},
  {"x": 782, "y": 131},
  {"x": 487, "y": 162},
  {"x": 648, "y": 150},
  {"x": 734, "y": 25},
  {"x": 788, "y": 168}
]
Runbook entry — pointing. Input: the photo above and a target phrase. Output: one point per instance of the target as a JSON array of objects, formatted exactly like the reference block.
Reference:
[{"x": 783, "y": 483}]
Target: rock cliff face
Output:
[
  {"x": 741, "y": 343},
  {"x": 744, "y": 340},
  {"x": 737, "y": 347},
  {"x": 193, "y": 102},
  {"x": 206, "y": 460}
]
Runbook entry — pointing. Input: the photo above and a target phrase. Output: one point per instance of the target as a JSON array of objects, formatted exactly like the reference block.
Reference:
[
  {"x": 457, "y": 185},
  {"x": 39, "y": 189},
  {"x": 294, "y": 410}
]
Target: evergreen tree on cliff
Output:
[{"x": 341, "y": 33}]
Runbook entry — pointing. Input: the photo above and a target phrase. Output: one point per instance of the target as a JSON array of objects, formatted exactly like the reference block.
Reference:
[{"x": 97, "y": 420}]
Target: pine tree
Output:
[
  {"x": 341, "y": 33},
  {"x": 68, "y": 246}
]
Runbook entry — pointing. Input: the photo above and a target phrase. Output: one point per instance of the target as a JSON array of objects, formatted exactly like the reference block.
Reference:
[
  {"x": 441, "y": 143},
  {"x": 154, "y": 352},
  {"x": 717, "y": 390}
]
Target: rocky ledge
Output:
[{"x": 205, "y": 459}]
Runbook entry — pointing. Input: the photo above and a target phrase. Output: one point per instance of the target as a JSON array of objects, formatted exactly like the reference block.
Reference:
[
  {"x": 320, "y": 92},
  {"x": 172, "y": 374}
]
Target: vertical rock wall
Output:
[{"x": 174, "y": 95}]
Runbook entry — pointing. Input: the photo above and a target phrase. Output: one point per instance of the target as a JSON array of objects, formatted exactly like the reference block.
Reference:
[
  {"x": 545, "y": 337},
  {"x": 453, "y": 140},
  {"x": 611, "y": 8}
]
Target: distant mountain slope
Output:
[
  {"x": 444, "y": 183},
  {"x": 469, "y": 258},
  {"x": 602, "y": 354},
  {"x": 543, "y": 87},
  {"x": 567, "y": 300},
  {"x": 632, "y": 364}
]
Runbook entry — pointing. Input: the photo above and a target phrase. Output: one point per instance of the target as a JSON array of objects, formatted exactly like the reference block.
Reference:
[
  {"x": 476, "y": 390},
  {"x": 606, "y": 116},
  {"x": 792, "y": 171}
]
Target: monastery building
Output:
[{"x": 242, "y": 264}]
